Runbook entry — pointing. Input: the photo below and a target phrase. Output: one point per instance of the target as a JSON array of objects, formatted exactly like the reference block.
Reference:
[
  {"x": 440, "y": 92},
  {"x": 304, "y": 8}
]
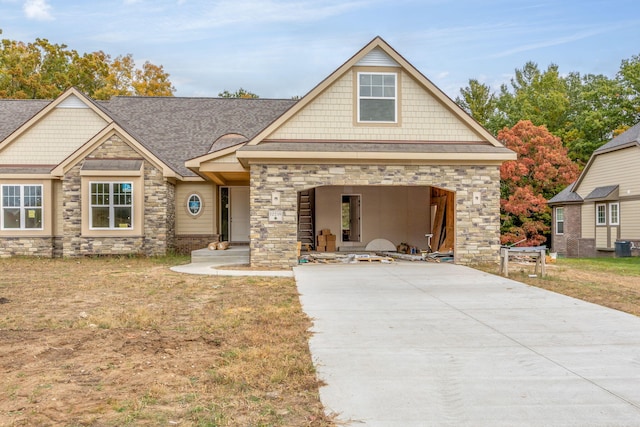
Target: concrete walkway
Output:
[
  {"x": 207, "y": 262},
  {"x": 211, "y": 269},
  {"x": 422, "y": 344}
]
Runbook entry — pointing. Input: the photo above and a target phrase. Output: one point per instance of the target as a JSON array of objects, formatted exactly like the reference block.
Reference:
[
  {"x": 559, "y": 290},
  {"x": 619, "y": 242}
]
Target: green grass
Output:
[{"x": 629, "y": 266}]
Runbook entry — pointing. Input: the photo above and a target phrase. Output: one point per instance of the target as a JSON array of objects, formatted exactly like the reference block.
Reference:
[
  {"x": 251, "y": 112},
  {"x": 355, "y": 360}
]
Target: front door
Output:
[{"x": 239, "y": 214}]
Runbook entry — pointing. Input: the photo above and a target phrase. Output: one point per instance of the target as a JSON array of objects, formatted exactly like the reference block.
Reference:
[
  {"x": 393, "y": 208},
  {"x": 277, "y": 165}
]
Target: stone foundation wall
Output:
[
  {"x": 26, "y": 246},
  {"x": 186, "y": 243},
  {"x": 477, "y": 223},
  {"x": 112, "y": 246}
]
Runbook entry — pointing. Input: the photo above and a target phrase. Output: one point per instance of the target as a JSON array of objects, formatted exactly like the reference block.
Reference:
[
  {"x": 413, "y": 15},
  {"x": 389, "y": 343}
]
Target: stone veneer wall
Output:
[
  {"x": 477, "y": 225},
  {"x": 26, "y": 246},
  {"x": 159, "y": 213}
]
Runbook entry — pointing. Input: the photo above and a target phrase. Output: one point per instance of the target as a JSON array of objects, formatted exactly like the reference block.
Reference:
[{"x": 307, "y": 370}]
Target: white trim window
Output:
[
  {"x": 614, "y": 213},
  {"x": 111, "y": 205},
  {"x": 601, "y": 214},
  {"x": 22, "y": 207},
  {"x": 194, "y": 204},
  {"x": 559, "y": 220},
  {"x": 377, "y": 97}
]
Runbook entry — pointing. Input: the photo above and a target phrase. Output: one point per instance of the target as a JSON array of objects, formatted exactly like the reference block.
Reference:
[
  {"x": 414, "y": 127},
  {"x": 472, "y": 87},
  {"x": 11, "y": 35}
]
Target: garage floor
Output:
[{"x": 423, "y": 344}]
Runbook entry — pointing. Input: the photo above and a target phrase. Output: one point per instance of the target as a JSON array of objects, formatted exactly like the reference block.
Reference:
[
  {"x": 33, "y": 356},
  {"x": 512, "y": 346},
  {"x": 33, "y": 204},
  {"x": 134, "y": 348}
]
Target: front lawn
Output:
[
  {"x": 611, "y": 282},
  {"x": 126, "y": 341}
]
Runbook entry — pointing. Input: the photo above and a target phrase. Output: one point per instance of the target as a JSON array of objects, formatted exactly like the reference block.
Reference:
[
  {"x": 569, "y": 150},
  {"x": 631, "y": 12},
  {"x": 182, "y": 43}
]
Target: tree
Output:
[
  {"x": 540, "y": 97},
  {"x": 584, "y": 111},
  {"x": 44, "y": 70},
  {"x": 600, "y": 108},
  {"x": 478, "y": 101},
  {"x": 240, "y": 93},
  {"x": 629, "y": 74},
  {"x": 541, "y": 170},
  {"x": 152, "y": 81}
]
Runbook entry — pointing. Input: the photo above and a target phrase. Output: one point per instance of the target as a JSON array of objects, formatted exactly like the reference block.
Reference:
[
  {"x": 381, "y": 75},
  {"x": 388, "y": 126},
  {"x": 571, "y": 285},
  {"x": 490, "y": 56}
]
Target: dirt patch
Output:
[{"x": 105, "y": 342}]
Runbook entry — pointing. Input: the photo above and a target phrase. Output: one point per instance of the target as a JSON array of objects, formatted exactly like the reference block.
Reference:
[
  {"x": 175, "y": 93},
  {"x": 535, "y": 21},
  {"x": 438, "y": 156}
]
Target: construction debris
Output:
[{"x": 342, "y": 258}]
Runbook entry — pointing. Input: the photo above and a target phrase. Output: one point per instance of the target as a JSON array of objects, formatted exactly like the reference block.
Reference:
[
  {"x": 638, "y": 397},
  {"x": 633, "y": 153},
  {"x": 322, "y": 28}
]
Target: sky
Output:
[{"x": 283, "y": 48}]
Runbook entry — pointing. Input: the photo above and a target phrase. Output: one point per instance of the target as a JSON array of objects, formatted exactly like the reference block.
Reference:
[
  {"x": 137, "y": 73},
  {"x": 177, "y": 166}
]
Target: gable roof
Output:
[
  {"x": 15, "y": 112},
  {"x": 70, "y": 94},
  {"x": 566, "y": 196},
  {"x": 382, "y": 51},
  {"x": 172, "y": 129},
  {"x": 630, "y": 137}
]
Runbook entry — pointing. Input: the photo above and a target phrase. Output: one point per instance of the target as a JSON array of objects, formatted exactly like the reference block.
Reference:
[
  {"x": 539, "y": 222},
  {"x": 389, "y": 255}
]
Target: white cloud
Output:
[
  {"x": 550, "y": 42},
  {"x": 38, "y": 10}
]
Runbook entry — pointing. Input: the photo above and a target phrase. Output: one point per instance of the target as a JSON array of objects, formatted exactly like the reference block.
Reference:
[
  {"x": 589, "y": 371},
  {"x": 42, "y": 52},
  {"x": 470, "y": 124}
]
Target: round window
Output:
[{"x": 194, "y": 204}]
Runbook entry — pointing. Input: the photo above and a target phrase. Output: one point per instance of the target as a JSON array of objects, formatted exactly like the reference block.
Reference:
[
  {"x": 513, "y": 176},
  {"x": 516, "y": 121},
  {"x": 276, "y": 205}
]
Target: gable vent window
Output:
[{"x": 377, "y": 97}]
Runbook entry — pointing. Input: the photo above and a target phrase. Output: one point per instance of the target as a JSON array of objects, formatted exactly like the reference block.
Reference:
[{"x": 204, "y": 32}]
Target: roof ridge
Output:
[{"x": 195, "y": 98}]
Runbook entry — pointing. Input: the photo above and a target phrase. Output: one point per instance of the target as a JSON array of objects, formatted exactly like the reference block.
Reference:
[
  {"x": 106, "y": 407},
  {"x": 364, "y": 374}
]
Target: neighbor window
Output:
[
  {"x": 111, "y": 205},
  {"x": 614, "y": 214},
  {"x": 377, "y": 96},
  {"x": 22, "y": 207},
  {"x": 194, "y": 204},
  {"x": 559, "y": 220},
  {"x": 601, "y": 214}
]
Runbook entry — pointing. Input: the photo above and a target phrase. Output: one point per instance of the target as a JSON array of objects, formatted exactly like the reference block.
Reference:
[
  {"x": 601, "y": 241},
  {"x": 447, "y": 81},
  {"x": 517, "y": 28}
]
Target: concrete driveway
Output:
[{"x": 422, "y": 344}]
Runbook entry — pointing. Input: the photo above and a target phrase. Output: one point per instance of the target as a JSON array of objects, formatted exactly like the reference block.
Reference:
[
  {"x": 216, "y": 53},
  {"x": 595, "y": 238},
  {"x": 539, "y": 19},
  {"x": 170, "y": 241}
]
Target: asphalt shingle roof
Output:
[
  {"x": 14, "y": 112},
  {"x": 631, "y": 135},
  {"x": 178, "y": 129},
  {"x": 565, "y": 196},
  {"x": 602, "y": 192}
]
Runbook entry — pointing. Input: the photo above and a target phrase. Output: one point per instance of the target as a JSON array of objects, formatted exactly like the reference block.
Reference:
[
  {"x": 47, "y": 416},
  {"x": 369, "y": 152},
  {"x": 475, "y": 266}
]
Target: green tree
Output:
[
  {"x": 478, "y": 101},
  {"x": 540, "y": 97},
  {"x": 600, "y": 108},
  {"x": 629, "y": 74},
  {"x": 240, "y": 93}
]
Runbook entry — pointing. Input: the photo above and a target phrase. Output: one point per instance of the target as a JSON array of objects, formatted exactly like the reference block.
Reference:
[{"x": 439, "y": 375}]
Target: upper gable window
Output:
[{"x": 377, "y": 97}]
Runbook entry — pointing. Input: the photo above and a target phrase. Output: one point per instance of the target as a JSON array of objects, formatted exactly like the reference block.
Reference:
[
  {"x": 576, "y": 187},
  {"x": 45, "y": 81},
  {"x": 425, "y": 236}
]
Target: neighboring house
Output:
[
  {"x": 603, "y": 205},
  {"x": 374, "y": 151}
]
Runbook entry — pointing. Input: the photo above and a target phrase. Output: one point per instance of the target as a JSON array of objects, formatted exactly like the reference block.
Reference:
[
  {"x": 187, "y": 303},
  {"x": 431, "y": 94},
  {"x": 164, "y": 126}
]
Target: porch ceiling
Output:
[{"x": 227, "y": 178}]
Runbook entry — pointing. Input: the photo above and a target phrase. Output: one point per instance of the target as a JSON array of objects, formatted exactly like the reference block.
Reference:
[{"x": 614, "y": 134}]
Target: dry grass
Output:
[
  {"x": 611, "y": 282},
  {"x": 105, "y": 342}
]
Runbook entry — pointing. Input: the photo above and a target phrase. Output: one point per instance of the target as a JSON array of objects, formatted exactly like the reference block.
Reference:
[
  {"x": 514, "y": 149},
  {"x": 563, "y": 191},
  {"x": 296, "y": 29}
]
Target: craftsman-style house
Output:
[
  {"x": 603, "y": 206},
  {"x": 373, "y": 151}
]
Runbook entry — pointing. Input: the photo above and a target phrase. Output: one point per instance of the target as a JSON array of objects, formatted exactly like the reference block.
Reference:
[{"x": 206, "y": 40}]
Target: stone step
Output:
[{"x": 233, "y": 255}]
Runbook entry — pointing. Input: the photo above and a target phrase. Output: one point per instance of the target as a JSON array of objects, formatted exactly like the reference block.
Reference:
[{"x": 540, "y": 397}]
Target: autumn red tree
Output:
[{"x": 541, "y": 170}]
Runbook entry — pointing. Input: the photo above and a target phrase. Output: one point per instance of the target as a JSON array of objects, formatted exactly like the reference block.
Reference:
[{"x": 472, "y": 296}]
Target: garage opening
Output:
[{"x": 411, "y": 217}]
